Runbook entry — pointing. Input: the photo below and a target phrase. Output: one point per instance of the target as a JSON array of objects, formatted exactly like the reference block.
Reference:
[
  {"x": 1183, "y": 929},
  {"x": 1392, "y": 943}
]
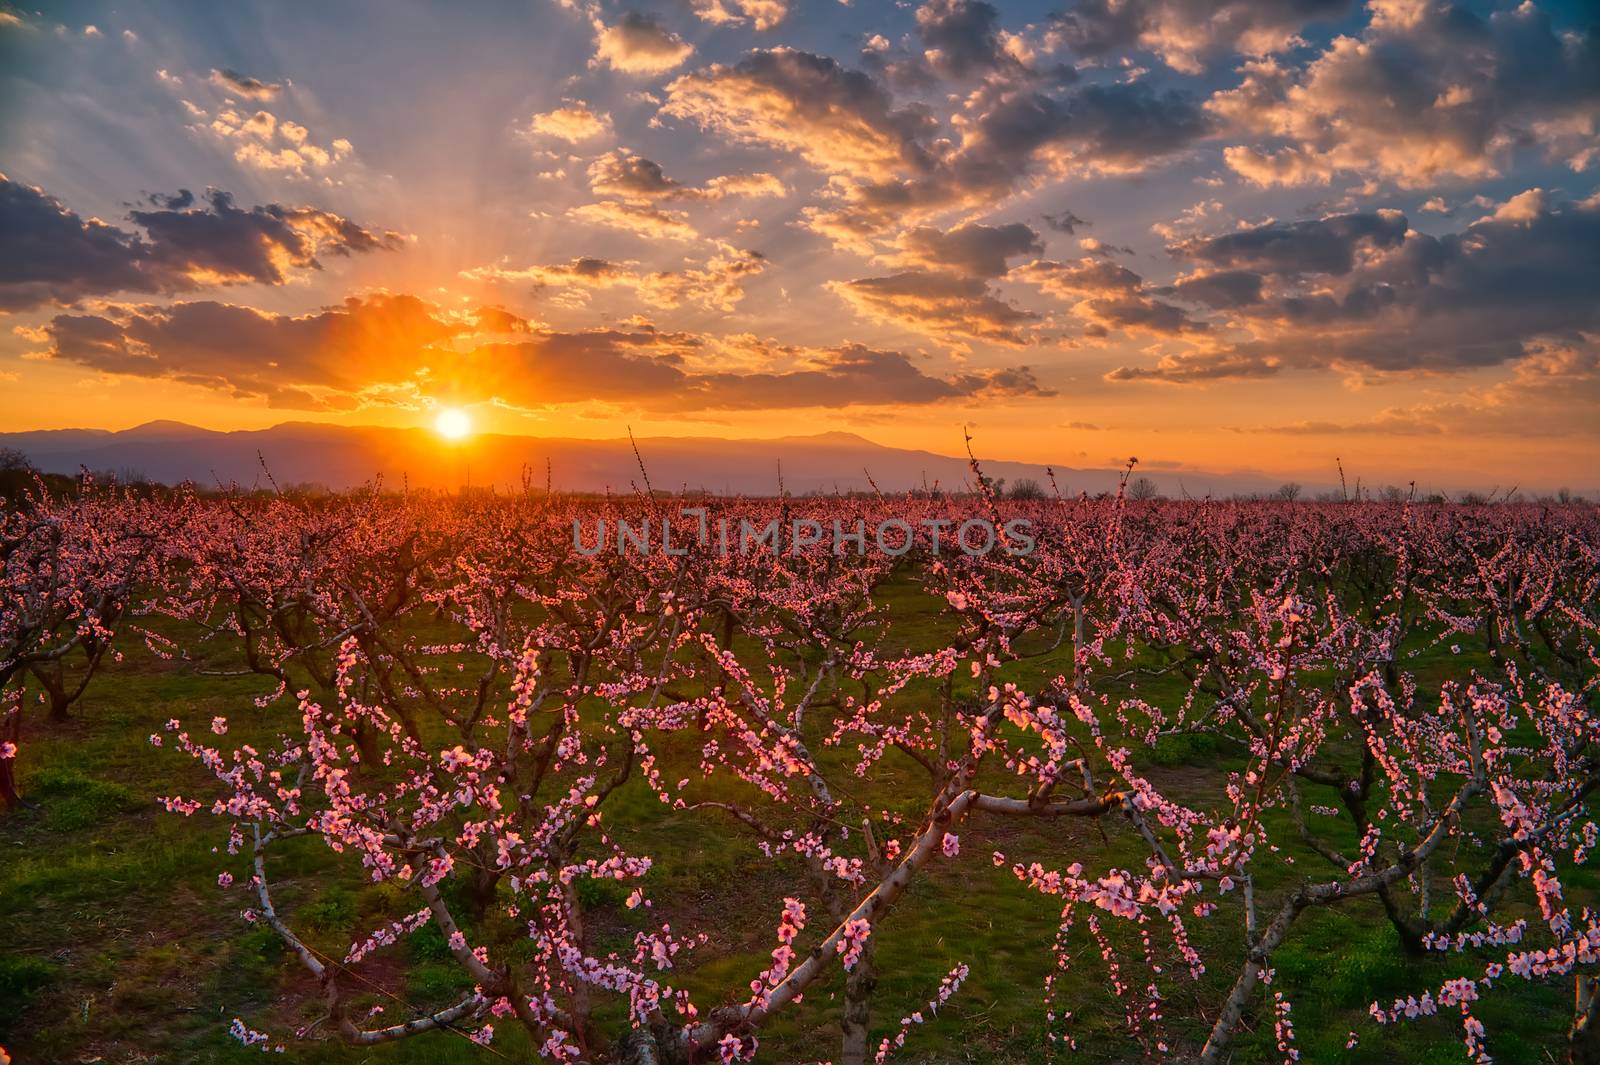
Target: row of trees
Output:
[{"x": 462, "y": 702}]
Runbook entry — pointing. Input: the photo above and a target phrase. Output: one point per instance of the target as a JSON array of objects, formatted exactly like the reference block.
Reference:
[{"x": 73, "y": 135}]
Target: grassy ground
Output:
[{"x": 120, "y": 947}]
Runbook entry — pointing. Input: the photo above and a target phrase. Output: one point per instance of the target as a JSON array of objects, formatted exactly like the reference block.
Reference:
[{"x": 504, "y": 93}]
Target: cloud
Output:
[
  {"x": 395, "y": 347},
  {"x": 1109, "y": 128},
  {"x": 892, "y": 165},
  {"x": 586, "y": 272},
  {"x": 718, "y": 284},
  {"x": 750, "y": 186},
  {"x": 940, "y": 305},
  {"x": 622, "y": 174},
  {"x": 1427, "y": 92},
  {"x": 51, "y": 255},
  {"x": 574, "y": 122},
  {"x": 287, "y": 360},
  {"x": 640, "y": 219},
  {"x": 1064, "y": 221},
  {"x": 1096, "y": 246},
  {"x": 1081, "y": 277},
  {"x": 620, "y": 368},
  {"x": 1283, "y": 166},
  {"x": 841, "y": 121},
  {"x": 1107, "y": 295},
  {"x": 264, "y": 142},
  {"x": 960, "y": 43},
  {"x": 1320, "y": 246},
  {"x": 1374, "y": 297},
  {"x": 760, "y": 14},
  {"x": 961, "y": 38},
  {"x": 638, "y": 44},
  {"x": 1219, "y": 289},
  {"x": 1011, "y": 135},
  {"x": 231, "y": 81},
  {"x": 1185, "y": 34},
  {"x": 970, "y": 250},
  {"x": 1199, "y": 367}
]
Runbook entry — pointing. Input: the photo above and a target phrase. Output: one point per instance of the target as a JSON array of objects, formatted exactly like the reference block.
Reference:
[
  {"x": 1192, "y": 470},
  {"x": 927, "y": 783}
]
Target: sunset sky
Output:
[{"x": 1218, "y": 234}]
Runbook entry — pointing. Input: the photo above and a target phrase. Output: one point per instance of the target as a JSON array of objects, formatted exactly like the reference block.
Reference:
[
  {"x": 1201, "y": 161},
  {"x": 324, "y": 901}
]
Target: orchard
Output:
[{"x": 473, "y": 790}]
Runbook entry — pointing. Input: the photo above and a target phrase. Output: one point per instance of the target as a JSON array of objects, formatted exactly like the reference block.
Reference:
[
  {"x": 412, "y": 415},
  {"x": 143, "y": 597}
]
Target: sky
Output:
[{"x": 1226, "y": 235}]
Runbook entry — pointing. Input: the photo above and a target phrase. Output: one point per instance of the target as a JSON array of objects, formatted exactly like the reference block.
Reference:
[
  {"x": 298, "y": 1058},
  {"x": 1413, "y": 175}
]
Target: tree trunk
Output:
[
  {"x": 10, "y": 731},
  {"x": 639, "y": 1047},
  {"x": 1583, "y": 1039},
  {"x": 52, "y": 679},
  {"x": 858, "y": 987},
  {"x": 1080, "y": 682},
  {"x": 1412, "y": 932},
  {"x": 8, "y": 783},
  {"x": 480, "y": 891}
]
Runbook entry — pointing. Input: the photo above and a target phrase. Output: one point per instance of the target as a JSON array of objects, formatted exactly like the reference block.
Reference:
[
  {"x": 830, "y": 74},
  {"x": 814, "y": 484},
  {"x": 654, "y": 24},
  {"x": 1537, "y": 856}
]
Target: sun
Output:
[{"x": 453, "y": 424}]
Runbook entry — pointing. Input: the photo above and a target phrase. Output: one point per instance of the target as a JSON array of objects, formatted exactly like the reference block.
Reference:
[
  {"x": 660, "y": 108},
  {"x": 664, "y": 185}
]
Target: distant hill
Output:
[{"x": 345, "y": 456}]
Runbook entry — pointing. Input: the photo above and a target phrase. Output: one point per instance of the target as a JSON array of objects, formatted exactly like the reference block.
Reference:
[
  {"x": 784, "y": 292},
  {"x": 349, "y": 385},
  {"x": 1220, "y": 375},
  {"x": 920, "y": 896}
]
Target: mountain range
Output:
[{"x": 338, "y": 457}]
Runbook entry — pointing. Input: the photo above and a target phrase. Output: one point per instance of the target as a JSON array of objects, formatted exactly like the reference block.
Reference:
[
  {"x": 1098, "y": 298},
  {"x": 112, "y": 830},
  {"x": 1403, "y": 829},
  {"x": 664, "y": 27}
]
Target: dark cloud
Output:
[
  {"x": 1064, "y": 221},
  {"x": 388, "y": 348},
  {"x": 49, "y": 254},
  {"x": 944, "y": 306},
  {"x": 1108, "y": 296},
  {"x": 961, "y": 38},
  {"x": 1011, "y": 134},
  {"x": 1118, "y": 126},
  {"x": 1080, "y": 277},
  {"x": 631, "y": 177},
  {"x": 1222, "y": 289},
  {"x": 959, "y": 43},
  {"x": 971, "y": 250},
  {"x": 842, "y": 121},
  {"x": 181, "y": 200},
  {"x": 243, "y": 85},
  {"x": 1504, "y": 289},
  {"x": 1318, "y": 246},
  {"x": 623, "y": 174},
  {"x": 1143, "y": 314},
  {"x": 1187, "y": 33}
]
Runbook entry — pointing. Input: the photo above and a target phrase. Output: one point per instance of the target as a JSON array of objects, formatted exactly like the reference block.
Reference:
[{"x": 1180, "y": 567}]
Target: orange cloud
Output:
[
  {"x": 574, "y": 122},
  {"x": 638, "y": 44},
  {"x": 719, "y": 284},
  {"x": 839, "y": 120},
  {"x": 943, "y": 306},
  {"x": 760, "y": 14},
  {"x": 627, "y": 176},
  {"x": 389, "y": 349},
  {"x": 641, "y": 219}
]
